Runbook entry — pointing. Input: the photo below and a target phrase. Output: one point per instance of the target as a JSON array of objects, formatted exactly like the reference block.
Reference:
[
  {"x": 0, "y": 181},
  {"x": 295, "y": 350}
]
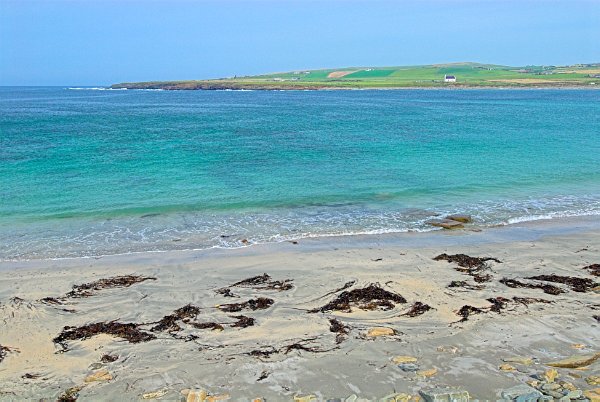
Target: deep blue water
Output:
[{"x": 92, "y": 172}]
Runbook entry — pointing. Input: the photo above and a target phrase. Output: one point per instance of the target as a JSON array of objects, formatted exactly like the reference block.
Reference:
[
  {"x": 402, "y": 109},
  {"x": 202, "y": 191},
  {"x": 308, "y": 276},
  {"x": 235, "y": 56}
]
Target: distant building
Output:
[{"x": 449, "y": 78}]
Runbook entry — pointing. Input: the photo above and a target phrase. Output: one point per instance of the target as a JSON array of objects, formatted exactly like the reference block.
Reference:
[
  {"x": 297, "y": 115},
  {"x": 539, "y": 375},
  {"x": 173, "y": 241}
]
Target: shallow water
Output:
[{"x": 93, "y": 172}]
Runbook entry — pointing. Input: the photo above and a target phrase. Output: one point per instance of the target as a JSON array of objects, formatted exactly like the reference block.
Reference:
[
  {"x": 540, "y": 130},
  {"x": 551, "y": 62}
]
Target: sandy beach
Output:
[{"x": 271, "y": 337}]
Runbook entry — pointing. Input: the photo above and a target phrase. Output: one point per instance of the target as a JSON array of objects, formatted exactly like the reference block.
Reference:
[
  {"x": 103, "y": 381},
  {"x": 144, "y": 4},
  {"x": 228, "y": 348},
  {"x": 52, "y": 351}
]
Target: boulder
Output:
[
  {"x": 446, "y": 394},
  {"x": 446, "y": 224},
  {"x": 521, "y": 393},
  {"x": 575, "y": 361},
  {"x": 460, "y": 218},
  {"x": 380, "y": 331}
]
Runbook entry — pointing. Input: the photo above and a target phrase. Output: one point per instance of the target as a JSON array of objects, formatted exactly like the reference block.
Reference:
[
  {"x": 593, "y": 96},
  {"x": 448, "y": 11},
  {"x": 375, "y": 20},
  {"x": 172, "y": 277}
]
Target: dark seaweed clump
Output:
[
  {"x": 547, "y": 288},
  {"x": 70, "y": 395},
  {"x": 498, "y": 303},
  {"x": 466, "y": 311},
  {"x": 264, "y": 352},
  {"x": 417, "y": 309},
  {"x": 109, "y": 358},
  {"x": 4, "y": 350},
  {"x": 242, "y": 321},
  {"x": 259, "y": 282},
  {"x": 594, "y": 269},
  {"x": 339, "y": 329},
  {"x": 88, "y": 289},
  {"x": 473, "y": 266},
  {"x": 215, "y": 326},
  {"x": 169, "y": 322},
  {"x": 464, "y": 285},
  {"x": 130, "y": 332},
  {"x": 260, "y": 303},
  {"x": 576, "y": 284},
  {"x": 369, "y": 298}
]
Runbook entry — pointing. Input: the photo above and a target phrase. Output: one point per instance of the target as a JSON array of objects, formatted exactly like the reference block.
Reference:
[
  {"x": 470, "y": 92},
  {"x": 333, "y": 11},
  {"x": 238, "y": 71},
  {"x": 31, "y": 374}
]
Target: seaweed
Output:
[
  {"x": 473, "y": 266},
  {"x": 130, "y": 332},
  {"x": 417, "y": 309},
  {"x": 4, "y": 350},
  {"x": 242, "y": 321},
  {"x": 169, "y": 322},
  {"x": 89, "y": 289},
  {"x": 529, "y": 300},
  {"x": 594, "y": 269},
  {"x": 547, "y": 288},
  {"x": 466, "y": 261},
  {"x": 299, "y": 346},
  {"x": 339, "y": 329},
  {"x": 465, "y": 285},
  {"x": 215, "y": 326},
  {"x": 466, "y": 311},
  {"x": 71, "y": 394},
  {"x": 30, "y": 376},
  {"x": 51, "y": 301},
  {"x": 263, "y": 353},
  {"x": 263, "y": 282},
  {"x": 226, "y": 292},
  {"x": 581, "y": 285},
  {"x": 260, "y": 303},
  {"x": 596, "y": 317},
  {"x": 109, "y": 358},
  {"x": 498, "y": 303},
  {"x": 368, "y": 298},
  {"x": 263, "y": 375}
]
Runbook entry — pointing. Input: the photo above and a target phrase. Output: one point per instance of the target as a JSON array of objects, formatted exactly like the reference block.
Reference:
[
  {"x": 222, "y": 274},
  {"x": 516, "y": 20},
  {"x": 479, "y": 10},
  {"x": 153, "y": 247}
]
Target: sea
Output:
[{"x": 93, "y": 171}]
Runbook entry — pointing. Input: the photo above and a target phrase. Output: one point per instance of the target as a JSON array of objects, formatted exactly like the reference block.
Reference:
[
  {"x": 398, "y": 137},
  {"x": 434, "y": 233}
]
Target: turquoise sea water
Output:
[{"x": 94, "y": 172}]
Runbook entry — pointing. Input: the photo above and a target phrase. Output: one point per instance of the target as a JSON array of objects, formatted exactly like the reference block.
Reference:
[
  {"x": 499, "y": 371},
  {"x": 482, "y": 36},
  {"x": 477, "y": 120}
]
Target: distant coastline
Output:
[{"x": 447, "y": 76}]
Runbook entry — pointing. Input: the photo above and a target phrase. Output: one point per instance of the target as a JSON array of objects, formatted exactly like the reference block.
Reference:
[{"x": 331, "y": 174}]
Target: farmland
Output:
[{"x": 425, "y": 76}]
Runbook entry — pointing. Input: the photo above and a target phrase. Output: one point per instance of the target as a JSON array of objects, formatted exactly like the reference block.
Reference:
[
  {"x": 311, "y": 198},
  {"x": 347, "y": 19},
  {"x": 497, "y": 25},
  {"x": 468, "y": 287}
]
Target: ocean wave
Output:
[{"x": 96, "y": 89}]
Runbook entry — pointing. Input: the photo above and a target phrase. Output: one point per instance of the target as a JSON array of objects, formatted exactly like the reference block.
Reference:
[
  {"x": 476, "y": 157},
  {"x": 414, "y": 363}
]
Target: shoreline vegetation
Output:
[
  {"x": 410, "y": 321},
  {"x": 467, "y": 75}
]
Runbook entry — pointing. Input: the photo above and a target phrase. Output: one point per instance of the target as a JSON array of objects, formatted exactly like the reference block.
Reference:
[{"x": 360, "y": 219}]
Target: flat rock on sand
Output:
[{"x": 575, "y": 361}]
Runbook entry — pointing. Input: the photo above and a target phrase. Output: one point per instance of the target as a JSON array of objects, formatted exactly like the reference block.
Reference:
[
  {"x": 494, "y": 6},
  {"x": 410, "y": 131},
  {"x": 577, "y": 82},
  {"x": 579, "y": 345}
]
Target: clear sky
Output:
[{"x": 99, "y": 42}]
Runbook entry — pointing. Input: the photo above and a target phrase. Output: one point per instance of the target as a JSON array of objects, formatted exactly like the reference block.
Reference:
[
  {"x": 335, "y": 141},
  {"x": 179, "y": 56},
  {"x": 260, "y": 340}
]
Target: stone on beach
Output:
[
  {"x": 444, "y": 395},
  {"x": 380, "y": 331},
  {"x": 593, "y": 380},
  {"x": 100, "y": 375},
  {"x": 446, "y": 224},
  {"x": 575, "y": 361},
  {"x": 507, "y": 367},
  {"x": 550, "y": 375},
  {"x": 521, "y": 393},
  {"x": 427, "y": 373},
  {"x": 155, "y": 394},
  {"x": 460, "y": 218},
  {"x": 404, "y": 359}
]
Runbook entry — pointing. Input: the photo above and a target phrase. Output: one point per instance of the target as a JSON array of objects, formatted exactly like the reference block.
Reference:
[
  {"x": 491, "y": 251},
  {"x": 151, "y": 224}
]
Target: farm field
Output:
[{"x": 426, "y": 76}]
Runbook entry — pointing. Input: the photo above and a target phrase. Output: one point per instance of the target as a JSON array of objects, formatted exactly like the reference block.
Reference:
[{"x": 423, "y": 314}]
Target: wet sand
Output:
[{"x": 301, "y": 355}]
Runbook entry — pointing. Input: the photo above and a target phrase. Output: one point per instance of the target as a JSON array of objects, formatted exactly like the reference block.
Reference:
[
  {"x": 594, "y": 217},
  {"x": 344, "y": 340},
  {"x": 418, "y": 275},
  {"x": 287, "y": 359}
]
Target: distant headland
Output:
[{"x": 450, "y": 75}]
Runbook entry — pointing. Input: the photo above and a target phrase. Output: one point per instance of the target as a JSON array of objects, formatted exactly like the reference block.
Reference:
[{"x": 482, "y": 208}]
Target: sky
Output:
[{"x": 101, "y": 42}]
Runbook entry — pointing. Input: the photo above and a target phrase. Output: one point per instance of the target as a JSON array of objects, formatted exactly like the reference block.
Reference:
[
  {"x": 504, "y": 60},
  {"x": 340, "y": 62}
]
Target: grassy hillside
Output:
[{"x": 467, "y": 75}]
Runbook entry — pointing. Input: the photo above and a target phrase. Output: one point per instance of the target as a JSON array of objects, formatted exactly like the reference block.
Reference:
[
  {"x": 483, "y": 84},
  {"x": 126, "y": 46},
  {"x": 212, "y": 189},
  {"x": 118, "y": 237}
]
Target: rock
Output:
[
  {"x": 593, "y": 394},
  {"x": 214, "y": 398},
  {"x": 550, "y": 375},
  {"x": 195, "y": 395},
  {"x": 593, "y": 380},
  {"x": 307, "y": 398},
  {"x": 155, "y": 394},
  {"x": 575, "y": 361},
  {"x": 554, "y": 394},
  {"x": 404, "y": 359},
  {"x": 408, "y": 367},
  {"x": 519, "y": 360},
  {"x": 460, "y": 218},
  {"x": 575, "y": 394},
  {"x": 551, "y": 387},
  {"x": 380, "y": 331},
  {"x": 521, "y": 393},
  {"x": 568, "y": 386},
  {"x": 446, "y": 224},
  {"x": 427, "y": 373},
  {"x": 578, "y": 346},
  {"x": 100, "y": 375},
  {"x": 448, "y": 349},
  {"x": 96, "y": 366},
  {"x": 351, "y": 398},
  {"x": 444, "y": 395},
  {"x": 507, "y": 367},
  {"x": 401, "y": 397}
]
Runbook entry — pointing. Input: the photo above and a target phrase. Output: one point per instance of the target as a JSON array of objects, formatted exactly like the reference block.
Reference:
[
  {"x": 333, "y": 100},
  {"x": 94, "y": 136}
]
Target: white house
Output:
[{"x": 449, "y": 78}]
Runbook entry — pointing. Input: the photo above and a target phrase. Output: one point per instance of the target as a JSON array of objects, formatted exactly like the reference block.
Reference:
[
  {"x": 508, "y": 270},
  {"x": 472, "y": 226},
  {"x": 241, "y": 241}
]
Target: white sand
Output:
[{"x": 218, "y": 361}]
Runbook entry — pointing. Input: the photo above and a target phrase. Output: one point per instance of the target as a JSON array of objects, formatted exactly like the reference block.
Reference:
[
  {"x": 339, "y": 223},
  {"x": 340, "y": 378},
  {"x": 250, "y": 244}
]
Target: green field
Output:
[{"x": 467, "y": 75}]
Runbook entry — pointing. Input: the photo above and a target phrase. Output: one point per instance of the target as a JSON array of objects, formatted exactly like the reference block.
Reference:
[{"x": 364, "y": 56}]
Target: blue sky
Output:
[{"x": 91, "y": 42}]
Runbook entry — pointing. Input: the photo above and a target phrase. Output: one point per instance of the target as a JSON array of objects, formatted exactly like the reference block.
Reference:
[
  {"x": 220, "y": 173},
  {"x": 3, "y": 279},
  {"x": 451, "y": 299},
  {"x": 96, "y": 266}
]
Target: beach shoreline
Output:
[{"x": 301, "y": 354}]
